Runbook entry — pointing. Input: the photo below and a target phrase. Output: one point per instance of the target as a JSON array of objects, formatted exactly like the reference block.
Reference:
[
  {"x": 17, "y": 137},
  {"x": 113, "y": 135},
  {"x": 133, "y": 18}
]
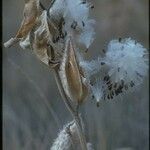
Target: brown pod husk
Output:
[
  {"x": 41, "y": 39},
  {"x": 30, "y": 15},
  {"x": 71, "y": 75}
]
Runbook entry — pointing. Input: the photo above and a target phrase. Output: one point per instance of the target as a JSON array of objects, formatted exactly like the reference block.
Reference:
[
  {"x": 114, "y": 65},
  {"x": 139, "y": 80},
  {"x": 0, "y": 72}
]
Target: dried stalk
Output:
[{"x": 72, "y": 108}]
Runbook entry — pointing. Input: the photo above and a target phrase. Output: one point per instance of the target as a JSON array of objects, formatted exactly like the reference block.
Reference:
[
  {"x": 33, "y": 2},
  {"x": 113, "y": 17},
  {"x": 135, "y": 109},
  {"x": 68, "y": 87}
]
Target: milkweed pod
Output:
[
  {"x": 31, "y": 12},
  {"x": 71, "y": 74},
  {"x": 30, "y": 15},
  {"x": 39, "y": 37}
]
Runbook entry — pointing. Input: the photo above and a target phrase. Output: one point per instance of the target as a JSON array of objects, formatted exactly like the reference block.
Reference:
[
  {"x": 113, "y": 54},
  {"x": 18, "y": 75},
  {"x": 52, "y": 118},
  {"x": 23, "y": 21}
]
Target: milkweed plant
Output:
[{"x": 58, "y": 36}]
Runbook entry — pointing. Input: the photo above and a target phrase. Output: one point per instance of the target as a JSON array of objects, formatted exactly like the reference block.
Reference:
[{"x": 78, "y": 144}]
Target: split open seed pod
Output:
[{"x": 72, "y": 77}]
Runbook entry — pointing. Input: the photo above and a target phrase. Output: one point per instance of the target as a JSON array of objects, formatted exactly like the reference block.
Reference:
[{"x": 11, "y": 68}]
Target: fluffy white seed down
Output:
[
  {"x": 91, "y": 67},
  {"x": 89, "y": 146},
  {"x": 74, "y": 11},
  {"x": 98, "y": 89},
  {"x": 63, "y": 141},
  {"x": 68, "y": 139},
  {"x": 87, "y": 34},
  {"x": 57, "y": 9},
  {"x": 126, "y": 61}
]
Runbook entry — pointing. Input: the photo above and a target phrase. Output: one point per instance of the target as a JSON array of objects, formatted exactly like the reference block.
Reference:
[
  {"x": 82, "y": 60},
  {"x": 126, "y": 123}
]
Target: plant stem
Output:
[
  {"x": 80, "y": 132},
  {"x": 73, "y": 110}
]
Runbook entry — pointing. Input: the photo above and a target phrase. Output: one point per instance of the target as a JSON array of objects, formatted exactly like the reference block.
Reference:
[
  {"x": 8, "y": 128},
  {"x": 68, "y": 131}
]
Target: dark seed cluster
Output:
[
  {"x": 114, "y": 89},
  {"x": 74, "y": 25}
]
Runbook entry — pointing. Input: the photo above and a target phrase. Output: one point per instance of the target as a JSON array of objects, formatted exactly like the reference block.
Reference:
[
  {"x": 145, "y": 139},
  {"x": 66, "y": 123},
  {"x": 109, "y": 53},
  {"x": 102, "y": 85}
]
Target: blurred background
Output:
[{"x": 33, "y": 111}]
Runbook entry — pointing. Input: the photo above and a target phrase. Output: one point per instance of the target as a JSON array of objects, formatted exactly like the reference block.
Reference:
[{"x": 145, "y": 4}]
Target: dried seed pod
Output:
[
  {"x": 40, "y": 38},
  {"x": 31, "y": 13},
  {"x": 72, "y": 76}
]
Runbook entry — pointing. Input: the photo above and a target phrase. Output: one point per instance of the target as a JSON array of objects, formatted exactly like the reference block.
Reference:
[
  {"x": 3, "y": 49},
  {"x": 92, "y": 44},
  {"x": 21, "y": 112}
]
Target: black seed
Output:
[
  {"x": 108, "y": 82},
  {"x": 54, "y": 40},
  {"x": 110, "y": 87},
  {"x": 108, "y": 96},
  {"x": 120, "y": 87},
  {"x": 74, "y": 25},
  {"x": 103, "y": 51},
  {"x": 106, "y": 78},
  {"x": 119, "y": 91},
  {"x": 62, "y": 35},
  {"x": 97, "y": 104},
  {"x": 132, "y": 84},
  {"x": 65, "y": 33},
  {"x": 83, "y": 2},
  {"x": 120, "y": 39},
  {"x": 92, "y": 6},
  {"x": 116, "y": 92},
  {"x": 63, "y": 23},
  {"x": 91, "y": 84},
  {"x": 57, "y": 38},
  {"x": 115, "y": 85},
  {"x": 83, "y": 24},
  {"x": 86, "y": 50},
  {"x": 112, "y": 93},
  {"x": 122, "y": 82},
  {"x": 111, "y": 96},
  {"x": 102, "y": 63},
  {"x": 42, "y": 6},
  {"x": 139, "y": 74}
]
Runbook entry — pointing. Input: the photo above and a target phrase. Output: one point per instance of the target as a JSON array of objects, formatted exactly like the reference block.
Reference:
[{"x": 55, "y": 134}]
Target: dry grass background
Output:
[{"x": 33, "y": 111}]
